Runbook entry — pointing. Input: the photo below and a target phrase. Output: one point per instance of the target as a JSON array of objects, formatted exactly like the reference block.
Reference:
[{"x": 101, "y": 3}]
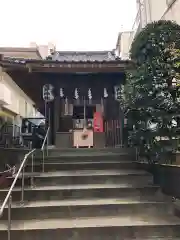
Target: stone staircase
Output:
[{"x": 90, "y": 194}]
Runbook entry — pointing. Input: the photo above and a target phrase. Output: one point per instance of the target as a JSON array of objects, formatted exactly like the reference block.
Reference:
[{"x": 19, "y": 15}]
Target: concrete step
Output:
[
  {"x": 87, "y": 151},
  {"x": 84, "y": 192},
  {"x": 88, "y": 208},
  {"x": 70, "y": 157},
  {"x": 95, "y": 165},
  {"x": 87, "y": 195},
  {"x": 103, "y": 228},
  {"x": 87, "y": 177}
]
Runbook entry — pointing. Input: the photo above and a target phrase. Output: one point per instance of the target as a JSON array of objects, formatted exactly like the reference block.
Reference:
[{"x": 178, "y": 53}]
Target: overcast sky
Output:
[{"x": 70, "y": 24}]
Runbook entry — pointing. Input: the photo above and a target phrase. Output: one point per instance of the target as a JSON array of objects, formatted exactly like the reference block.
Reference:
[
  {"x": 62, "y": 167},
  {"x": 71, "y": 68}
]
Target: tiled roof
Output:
[{"x": 94, "y": 56}]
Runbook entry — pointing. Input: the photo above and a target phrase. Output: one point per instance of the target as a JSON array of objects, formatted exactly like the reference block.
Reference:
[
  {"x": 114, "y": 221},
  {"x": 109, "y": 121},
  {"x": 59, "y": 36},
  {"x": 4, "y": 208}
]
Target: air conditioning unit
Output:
[{"x": 5, "y": 95}]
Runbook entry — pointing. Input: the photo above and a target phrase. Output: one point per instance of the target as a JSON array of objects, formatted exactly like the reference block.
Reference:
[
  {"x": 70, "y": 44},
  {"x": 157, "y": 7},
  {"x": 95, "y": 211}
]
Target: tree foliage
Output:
[{"x": 152, "y": 96}]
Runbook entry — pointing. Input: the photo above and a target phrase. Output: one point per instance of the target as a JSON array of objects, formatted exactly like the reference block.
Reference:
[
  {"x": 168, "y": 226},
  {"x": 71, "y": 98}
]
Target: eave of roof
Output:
[
  {"x": 57, "y": 66},
  {"x": 44, "y": 61}
]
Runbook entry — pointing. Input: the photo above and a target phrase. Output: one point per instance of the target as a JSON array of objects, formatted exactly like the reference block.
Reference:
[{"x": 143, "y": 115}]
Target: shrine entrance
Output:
[
  {"x": 83, "y": 116},
  {"x": 89, "y": 113}
]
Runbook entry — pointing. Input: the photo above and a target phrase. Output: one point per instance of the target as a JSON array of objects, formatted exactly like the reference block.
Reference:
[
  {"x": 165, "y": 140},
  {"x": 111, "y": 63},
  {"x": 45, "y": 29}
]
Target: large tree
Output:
[{"x": 152, "y": 91}]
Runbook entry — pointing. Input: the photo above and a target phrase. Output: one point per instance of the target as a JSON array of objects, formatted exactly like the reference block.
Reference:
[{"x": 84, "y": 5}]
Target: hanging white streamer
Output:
[
  {"x": 61, "y": 93},
  {"x": 76, "y": 94},
  {"x": 89, "y": 94},
  {"x": 105, "y": 93}
]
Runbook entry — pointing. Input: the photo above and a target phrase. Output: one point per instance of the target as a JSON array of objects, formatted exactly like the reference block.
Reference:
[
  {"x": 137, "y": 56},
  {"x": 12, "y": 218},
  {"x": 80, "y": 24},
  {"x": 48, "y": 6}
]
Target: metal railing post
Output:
[
  {"x": 32, "y": 170},
  {"x": 9, "y": 217},
  {"x": 22, "y": 187},
  {"x": 43, "y": 161},
  {"x": 137, "y": 154},
  {"x": 45, "y": 144}
]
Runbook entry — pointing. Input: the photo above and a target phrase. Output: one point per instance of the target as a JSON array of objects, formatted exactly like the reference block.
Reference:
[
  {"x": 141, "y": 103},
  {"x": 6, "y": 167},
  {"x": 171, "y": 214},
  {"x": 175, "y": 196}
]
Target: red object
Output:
[{"x": 98, "y": 122}]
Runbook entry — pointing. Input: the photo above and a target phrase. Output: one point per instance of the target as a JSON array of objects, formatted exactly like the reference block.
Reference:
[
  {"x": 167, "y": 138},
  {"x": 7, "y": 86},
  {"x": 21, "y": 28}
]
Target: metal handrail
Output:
[
  {"x": 8, "y": 198},
  {"x": 14, "y": 182},
  {"x": 43, "y": 147}
]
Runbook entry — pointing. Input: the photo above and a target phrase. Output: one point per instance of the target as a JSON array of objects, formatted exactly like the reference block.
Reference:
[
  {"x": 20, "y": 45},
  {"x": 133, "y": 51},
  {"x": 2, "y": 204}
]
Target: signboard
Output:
[
  {"x": 48, "y": 94},
  {"x": 98, "y": 122}
]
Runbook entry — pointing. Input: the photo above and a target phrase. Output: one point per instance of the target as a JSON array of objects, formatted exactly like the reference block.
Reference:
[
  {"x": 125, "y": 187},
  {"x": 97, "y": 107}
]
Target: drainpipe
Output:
[
  {"x": 140, "y": 12},
  {"x": 146, "y": 17},
  {"x": 149, "y": 6},
  {"x": 145, "y": 5}
]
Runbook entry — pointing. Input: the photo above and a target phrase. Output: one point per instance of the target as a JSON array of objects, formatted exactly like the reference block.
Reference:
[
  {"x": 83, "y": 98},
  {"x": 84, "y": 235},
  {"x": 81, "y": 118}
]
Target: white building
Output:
[
  {"x": 154, "y": 10},
  {"x": 20, "y": 52},
  {"x": 13, "y": 99},
  {"x": 14, "y": 103},
  {"x": 123, "y": 44},
  {"x": 149, "y": 11},
  {"x": 44, "y": 50}
]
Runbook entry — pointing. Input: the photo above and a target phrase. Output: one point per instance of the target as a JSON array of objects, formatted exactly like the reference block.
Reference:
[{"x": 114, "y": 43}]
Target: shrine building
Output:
[{"x": 78, "y": 92}]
